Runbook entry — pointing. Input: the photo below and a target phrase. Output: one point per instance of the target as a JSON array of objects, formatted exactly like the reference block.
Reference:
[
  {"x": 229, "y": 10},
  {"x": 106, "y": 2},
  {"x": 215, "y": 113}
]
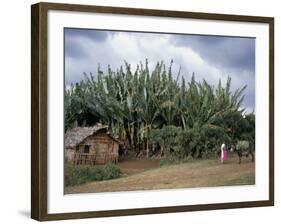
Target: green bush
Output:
[
  {"x": 186, "y": 159},
  {"x": 76, "y": 175},
  {"x": 111, "y": 171}
]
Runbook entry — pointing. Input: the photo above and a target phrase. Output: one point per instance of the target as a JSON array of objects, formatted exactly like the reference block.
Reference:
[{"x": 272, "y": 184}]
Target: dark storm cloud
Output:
[
  {"x": 74, "y": 37},
  {"x": 227, "y": 52},
  {"x": 95, "y": 35},
  {"x": 73, "y": 49}
]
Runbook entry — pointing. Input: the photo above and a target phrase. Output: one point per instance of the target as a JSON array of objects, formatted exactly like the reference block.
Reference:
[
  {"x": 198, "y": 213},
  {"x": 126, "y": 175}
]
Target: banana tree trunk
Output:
[
  {"x": 161, "y": 150},
  {"x": 128, "y": 137}
]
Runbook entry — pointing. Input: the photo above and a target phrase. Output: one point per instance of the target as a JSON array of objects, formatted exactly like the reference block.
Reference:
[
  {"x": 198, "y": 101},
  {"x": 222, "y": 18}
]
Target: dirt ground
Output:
[
  {"x": 147, "y": 175},
  {"x": 134, "y": 166}
]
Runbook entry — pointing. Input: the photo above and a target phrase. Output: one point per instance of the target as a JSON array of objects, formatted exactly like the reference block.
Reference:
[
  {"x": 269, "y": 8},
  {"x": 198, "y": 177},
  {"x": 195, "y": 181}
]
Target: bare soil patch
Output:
[{"x": 134, "y": 166}]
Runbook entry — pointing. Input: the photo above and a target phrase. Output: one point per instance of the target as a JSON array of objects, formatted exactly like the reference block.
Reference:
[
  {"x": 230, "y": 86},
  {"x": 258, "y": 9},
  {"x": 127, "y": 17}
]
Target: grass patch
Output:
[
  {"x": 243, "y": 180},
  {"x": 168, "y": 162},
  {"x": 173, "y": 161},
  {"x": 77, "y": 175}
]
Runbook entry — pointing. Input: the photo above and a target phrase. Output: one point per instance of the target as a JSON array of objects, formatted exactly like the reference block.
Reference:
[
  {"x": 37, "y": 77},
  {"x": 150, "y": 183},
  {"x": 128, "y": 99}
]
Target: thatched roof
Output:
[{"x": 75, "y": 136}]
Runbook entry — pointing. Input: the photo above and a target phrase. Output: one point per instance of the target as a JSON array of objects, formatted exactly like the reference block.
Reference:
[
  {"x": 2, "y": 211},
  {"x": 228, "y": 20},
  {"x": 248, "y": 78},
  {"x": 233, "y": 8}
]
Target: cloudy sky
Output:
[{"x": 209, "y": 57}]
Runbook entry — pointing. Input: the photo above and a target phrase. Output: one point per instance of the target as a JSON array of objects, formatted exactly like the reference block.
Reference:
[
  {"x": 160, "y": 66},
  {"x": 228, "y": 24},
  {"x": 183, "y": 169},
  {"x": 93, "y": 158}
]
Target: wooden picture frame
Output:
[{"x": 39, "y": 108}]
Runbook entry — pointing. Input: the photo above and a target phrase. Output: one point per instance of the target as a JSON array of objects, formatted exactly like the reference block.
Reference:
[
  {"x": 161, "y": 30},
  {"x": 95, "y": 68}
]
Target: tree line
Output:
[{"x": 152, "y": 112}]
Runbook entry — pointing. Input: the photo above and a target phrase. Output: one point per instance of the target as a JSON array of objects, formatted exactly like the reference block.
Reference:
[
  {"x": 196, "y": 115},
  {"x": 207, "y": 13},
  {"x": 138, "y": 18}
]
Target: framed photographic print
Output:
[{"x": 140, "y": 111}]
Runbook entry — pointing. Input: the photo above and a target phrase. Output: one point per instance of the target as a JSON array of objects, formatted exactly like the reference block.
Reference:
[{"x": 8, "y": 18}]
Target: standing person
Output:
[{"x": 223, "y": 153}]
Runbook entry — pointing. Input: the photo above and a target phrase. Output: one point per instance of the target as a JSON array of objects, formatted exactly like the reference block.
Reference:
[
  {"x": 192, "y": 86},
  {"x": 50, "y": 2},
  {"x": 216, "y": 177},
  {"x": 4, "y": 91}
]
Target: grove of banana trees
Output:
[{"x": 152, "y": 112}]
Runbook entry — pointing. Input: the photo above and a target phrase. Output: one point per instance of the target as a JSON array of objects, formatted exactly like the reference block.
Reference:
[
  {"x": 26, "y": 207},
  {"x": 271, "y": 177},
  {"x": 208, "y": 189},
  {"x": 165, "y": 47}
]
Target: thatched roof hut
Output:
[
  {"x": 96, "y": 142},
  {"x": 76, "y": 135}
]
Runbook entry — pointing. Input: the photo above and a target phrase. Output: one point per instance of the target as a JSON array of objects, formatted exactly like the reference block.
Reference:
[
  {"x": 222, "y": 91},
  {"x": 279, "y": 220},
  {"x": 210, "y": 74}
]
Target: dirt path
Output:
[{"x": 145, "y": 175}]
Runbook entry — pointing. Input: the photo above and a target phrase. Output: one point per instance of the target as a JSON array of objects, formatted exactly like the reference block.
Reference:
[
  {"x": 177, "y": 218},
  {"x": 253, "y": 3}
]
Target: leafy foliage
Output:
[
  {"x": 153, "y": 111},
  {"x": 76, "y": 175}
]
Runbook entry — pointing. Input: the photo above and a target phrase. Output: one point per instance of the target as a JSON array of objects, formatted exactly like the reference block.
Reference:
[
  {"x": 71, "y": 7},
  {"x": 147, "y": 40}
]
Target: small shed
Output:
[{"x": 90, "y": 145}]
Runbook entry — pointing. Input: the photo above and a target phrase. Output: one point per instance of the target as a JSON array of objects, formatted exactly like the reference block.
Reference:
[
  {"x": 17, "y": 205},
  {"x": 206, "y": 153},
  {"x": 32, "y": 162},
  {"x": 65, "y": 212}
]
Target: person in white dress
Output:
[{"x": 223, "y": 147}]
